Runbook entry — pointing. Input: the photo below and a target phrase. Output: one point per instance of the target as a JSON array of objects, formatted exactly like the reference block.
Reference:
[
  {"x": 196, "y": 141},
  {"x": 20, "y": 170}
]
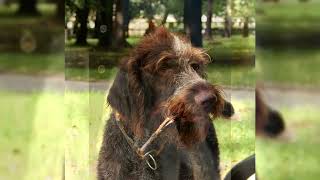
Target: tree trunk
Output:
[
  {"x": 105, "y": 13},
  {"x": 246, "y": 27},
  {"x": 192, "y": 20},
  {"x": 228, "y": 20},
  {"x": 28, "y": 8},
  {"x": 121, "y": 18},
  {"x": 81, "y": 25},
  {"x": 227, "y": 26},
  {"x": 186, "y": 17},
  {"x": 60, "y": 10},
  {"x": 208, "y": 31},
  {"x": 97, "y": 25},
  {"x": 165, "y": 16},
  {"x": 126, "y": 17}
]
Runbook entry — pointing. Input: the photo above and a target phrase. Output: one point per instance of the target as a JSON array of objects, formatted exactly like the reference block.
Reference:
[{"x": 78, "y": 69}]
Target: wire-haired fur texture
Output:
[{"x": 163, "y": 76}]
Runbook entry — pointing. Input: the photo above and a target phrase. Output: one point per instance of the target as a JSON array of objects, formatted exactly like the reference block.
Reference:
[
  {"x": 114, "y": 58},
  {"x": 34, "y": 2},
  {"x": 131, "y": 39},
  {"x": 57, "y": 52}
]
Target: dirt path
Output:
[
  {"x": 23, "y": 83},
  {"x": 286, "y": 97}
]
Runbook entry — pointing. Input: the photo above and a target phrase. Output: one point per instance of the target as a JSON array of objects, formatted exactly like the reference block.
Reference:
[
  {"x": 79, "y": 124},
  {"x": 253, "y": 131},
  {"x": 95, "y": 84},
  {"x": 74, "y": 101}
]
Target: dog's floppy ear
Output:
[
  {"x": 137, "y": 94},
  {"x": 118, "y": 97},
  {"x": 127, "y": 97},
  {"x": 132, "y": 81}
]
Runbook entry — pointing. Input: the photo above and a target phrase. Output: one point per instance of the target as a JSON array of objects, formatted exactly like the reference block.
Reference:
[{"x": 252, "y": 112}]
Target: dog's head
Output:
[{"x": 164, "y": 76}]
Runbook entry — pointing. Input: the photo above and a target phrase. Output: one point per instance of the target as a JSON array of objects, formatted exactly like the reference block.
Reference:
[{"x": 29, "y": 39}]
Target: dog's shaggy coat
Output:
[{"x": 163, "y": 76}]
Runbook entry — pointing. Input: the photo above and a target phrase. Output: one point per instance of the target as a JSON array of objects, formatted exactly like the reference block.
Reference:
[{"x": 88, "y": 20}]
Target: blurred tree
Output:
[
  {"x": 144, "y": 8},
  {"x": 228, "y": 19},
  {"x": 81, "y": 9},
  {"x": 246, "y": 10},
  {"x": 134, "y": 9},
  {"x": 219, "y": 7},
  {"x": 28, "y": 8},
  {"x": 246, "y": 27},
  {"x": 112, "y": 21},
  {"x": 208, "y": 30},
  {"x": 213, "y": 7},
  {"x": 172, "y": 7},
  {"x": 149, "y": 8},
  {"x": 126, "y": 10},
  {"x": 227, "y": 26},
  {"x": 81, "y": 27},
  {"x": 121, "y": 23},
  {"x": 60, "y": 14},
  {"x": 104, "y": 23},
  {"x": 192, "y": 21}
]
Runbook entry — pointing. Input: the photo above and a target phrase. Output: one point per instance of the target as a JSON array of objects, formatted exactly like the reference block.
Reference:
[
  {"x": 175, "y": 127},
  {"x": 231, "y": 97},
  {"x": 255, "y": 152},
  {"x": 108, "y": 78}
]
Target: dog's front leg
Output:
[
  {"x": 112, "y": 172},
  {"x": 202, "y": 163}
]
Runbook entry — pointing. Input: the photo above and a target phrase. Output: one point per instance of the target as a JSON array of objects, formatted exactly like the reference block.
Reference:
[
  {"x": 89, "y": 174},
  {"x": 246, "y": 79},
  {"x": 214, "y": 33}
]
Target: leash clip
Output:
[{"x": 153, "y": 164}]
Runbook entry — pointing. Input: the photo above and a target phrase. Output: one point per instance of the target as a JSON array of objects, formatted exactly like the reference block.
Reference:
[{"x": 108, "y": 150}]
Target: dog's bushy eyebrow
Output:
[
  {"x": 165, "y": 58},
  {"x": 200, "y": 56}
]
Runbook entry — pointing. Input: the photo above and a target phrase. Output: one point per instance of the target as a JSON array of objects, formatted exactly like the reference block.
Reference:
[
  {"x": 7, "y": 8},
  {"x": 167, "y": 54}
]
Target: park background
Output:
[{"x": 58, "y": 58}]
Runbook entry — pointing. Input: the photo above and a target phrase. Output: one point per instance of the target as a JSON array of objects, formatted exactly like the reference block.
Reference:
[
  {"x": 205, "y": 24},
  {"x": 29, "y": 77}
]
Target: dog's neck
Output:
[{"x": 141, "y": 151}]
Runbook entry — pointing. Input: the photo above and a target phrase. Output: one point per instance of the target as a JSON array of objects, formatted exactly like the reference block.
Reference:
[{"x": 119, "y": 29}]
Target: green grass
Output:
[
  {"x": 85, "y": 116},
  {"x": 290, "y": 10},
  {"x": 236, "y": 138},
  {"x": 298, "y": 159},
  {"x": 236, "y": 49},
  {"x": 234, "y": 76},
  {"x": 70, "y": 44},
  {"x": 42, "y": 128},
  {"x": 132, "y": 40},
  {"x": 90, "y": 75},
  {"x": 288, "y": 19},
  {"x": 35, "y": 64},
  {"x": 31, "y": 136},
  {"x": 293, "y": 67}
]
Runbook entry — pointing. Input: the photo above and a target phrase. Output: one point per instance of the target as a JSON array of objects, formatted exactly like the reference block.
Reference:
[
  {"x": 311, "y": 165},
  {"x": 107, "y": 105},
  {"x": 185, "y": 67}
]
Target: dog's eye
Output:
[{"x": 195, "y": 66}]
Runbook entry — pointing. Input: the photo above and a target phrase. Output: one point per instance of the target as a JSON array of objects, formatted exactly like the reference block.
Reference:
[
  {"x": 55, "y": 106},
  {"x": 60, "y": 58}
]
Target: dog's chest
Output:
[{"x": 181, "y": 165}]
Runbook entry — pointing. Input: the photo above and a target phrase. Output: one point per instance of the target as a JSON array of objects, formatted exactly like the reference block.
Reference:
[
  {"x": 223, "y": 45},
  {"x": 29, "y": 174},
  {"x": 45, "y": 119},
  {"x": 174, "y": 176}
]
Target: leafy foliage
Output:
[
  {"x": 72, "y": 5},
  {"x": 243, "y": 8},
  {"x": 218, "y": 7},
  {"x": 145, "y": 8}
]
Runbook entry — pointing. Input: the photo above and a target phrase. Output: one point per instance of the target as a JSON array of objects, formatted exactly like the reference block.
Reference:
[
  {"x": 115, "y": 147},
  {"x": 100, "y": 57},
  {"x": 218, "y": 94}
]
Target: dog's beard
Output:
[
  {"x": 192, "y": 122},
  {"x": 193, "y": 130}
]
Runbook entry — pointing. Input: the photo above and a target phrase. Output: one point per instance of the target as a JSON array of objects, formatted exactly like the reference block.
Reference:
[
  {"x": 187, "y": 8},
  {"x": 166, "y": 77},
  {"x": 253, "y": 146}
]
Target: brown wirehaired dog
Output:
[{"x": 163, "y": 77}]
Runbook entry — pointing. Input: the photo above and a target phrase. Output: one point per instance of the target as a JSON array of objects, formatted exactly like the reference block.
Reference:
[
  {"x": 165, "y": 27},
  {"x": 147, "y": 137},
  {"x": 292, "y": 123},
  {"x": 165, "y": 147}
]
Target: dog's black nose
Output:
[{"x": 206, "y": 100}]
